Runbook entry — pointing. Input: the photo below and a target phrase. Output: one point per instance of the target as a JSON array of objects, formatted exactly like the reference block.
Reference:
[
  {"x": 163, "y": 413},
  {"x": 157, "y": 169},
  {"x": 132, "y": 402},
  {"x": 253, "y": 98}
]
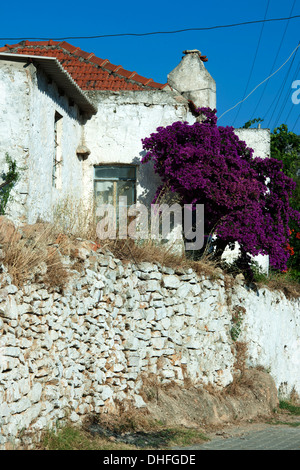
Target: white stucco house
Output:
[{"x": 74, "y": 123}]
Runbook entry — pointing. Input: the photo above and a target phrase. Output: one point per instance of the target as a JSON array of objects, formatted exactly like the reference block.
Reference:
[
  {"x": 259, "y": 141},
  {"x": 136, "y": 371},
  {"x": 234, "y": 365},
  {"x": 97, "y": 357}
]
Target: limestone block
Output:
[
  {"x": 19, "y": 406},
  {"x": 9, "y": 309},
  {"x": 184, "y": 289},
  {"x": 107, "y": 392},
  {"x": 131, "y": 343},
  {"x": 160, "y": 313},
  {"x": 11, "y": 351},
  {"x": 4, "y": 410},
  {"x": 8, "y": 363},
  {"x": 139, "y": 402},
  {"x": 35, "y": 393},
  {"x": 152, "y": 286},
  {"x": 158, "y": 343},
  {"x": 147, "y": 267},
  {"x": 13, "y": 393},
  {"x": 99, "y": 376},
  {"x": 171, "y": 281},
  {"x": 149, "y": 314},
  {"x": 30, "y": 415}
]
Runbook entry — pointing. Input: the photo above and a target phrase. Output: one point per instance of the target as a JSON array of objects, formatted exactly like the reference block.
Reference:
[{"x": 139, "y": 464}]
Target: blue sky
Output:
[{"x": 240, "y": 57}]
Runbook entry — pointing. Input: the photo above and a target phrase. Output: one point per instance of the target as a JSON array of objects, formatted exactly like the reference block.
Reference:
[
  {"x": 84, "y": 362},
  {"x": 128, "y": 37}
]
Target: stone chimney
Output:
[{"x": 192, "y": 80}]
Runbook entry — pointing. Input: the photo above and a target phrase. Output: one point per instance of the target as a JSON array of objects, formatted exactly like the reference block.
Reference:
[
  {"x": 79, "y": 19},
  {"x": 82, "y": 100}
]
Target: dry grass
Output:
[
  {"x": 148, "y": 435},
  {"x": 153, "y": 386},
  {"x": 162, "y": 254},
  {"x": 126, "y": 418},
  {"x": 42, "y": 244},
  {"x": 73, "y": 218},
  {"x": 36, "y": 251},
  {"x": 283, "y": 283},
  {"x": 240, "y": 379},
  {"x": 33, "y": 254}
]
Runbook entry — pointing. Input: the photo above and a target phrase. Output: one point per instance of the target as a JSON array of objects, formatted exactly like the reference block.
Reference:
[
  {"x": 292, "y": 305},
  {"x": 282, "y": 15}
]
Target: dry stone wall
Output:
[{"x": 74, "y": 352}]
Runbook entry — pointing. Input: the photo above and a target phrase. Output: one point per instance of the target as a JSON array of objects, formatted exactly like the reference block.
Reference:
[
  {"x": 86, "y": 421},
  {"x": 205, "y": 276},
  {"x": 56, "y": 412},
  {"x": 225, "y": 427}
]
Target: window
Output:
[
  {"x": 112, "y": 182},
  {"x": 57, "y": 159}
]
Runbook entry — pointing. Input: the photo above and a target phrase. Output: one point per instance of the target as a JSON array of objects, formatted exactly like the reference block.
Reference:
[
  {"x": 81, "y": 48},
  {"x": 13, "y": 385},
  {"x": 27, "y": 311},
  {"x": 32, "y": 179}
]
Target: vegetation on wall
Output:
[
  {"x": 285, "y": 147},
  {"x": 9, "y": 179}
]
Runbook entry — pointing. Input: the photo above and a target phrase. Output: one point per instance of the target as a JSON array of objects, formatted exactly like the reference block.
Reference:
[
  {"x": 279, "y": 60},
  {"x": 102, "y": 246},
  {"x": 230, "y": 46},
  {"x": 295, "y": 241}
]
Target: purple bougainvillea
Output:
[{"x": 246, "y": 198}]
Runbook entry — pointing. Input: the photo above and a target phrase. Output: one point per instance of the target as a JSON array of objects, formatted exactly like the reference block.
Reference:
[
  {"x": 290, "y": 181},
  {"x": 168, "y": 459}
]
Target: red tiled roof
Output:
[{"x": 88, "y": 71}]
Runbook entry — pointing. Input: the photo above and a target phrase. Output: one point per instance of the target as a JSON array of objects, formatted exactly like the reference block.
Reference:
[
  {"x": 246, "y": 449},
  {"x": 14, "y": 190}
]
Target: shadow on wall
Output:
[
  {"x": 147, "y": 181},
  {"x": 51, "y": 90},
  {"x": 147, "y": 184}
]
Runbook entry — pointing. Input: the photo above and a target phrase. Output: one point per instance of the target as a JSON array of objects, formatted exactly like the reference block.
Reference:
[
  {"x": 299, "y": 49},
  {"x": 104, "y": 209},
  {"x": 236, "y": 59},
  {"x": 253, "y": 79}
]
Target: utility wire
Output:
[
  {"x": 280, "y": 91},
  {"x": 296, "y": 122},
  {"x": 253, "y": 63},
  {"x": 287, "y": 95},
  {"x": 275, "y": 58},
  {"x": 257, "y": 86},
  {"x": 155, "y": 32}
]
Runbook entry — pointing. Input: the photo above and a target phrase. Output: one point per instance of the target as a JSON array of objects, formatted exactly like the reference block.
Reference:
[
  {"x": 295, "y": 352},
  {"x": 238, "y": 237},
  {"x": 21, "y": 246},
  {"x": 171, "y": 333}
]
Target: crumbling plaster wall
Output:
[
  {"x": 258, "y": 139},
  {"x": 28, "y": 102},
  {"x": 14, "y": 128},
  {"x": 45, "y": 101},
  {"x": 114, "y": 135},
  {"x": 193, "y": 81}
]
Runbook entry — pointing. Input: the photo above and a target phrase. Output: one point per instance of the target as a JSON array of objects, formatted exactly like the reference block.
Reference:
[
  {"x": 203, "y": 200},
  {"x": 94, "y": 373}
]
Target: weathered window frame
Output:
[{"x": 115, "y": 176}]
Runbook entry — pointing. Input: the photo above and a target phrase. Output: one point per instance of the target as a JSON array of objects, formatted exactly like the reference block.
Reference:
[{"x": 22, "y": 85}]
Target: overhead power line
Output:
[
  {"x": 257, "y": 86},
  {"x": 296, "y": 123},
  {"x": 283, "y": 87},
  {"x": 207, "y": 28},
  {"x": 286, "y": 101},
  {"x": 253, "y": 63},
  {"x": 275, "y": 58},
  {"x": 292, "y": 106}
]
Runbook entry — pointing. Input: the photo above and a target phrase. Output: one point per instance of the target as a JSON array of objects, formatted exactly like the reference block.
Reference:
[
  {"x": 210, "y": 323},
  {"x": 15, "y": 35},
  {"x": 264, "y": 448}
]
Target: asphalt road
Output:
[{"x": 256, "y": 437}]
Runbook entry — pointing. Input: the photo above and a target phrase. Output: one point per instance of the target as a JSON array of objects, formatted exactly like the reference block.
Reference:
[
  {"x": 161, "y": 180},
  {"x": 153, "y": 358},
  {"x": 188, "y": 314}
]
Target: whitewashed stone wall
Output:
[
  {"x": 45, "y": 101},
  {"x": 14, "y": 127},
  {"x": 74, "y": 352},
  {"x": 271, "y": 328},
  {"x": 28, "y": 103}
]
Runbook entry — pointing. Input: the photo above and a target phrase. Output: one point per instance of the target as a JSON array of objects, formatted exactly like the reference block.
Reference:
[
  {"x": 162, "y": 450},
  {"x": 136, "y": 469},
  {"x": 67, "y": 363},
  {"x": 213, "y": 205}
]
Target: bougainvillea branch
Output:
[{"x": 246, "y": 198}]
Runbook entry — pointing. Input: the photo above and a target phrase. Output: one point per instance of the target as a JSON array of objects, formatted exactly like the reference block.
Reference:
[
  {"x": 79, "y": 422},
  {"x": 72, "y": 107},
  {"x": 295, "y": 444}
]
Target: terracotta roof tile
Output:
[{"x": 88, "y": 71}]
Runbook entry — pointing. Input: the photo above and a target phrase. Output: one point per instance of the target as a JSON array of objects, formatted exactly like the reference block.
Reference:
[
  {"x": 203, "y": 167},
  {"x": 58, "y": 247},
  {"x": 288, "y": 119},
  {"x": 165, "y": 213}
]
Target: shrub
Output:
[
  {"x": 246, "y": 198},
  {"x": 9, "y": 180}
]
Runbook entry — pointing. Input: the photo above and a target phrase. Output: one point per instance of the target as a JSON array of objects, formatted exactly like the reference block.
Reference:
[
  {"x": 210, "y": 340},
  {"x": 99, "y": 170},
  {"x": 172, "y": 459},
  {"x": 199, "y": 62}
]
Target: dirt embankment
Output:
[{"x": 253, "y": 396}]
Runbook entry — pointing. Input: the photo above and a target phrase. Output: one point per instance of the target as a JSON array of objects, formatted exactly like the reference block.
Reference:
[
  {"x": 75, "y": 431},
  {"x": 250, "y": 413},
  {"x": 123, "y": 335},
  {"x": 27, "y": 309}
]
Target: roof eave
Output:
[{"x": 62, "y": 78}]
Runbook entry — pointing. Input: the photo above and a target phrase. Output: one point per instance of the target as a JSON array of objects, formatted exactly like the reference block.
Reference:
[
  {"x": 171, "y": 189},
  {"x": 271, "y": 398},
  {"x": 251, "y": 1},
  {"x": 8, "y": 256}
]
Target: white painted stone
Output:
[
  {"x": 193, "y": 81},
  {"x": 10, "y": 309},
  {"x": 107, "y": 392},
  {"x": 171, "y": 281},
  {"x": 99, "y": 355},
  {"x": 35, "y": 393},
  {"x": 139, "y": 402}
]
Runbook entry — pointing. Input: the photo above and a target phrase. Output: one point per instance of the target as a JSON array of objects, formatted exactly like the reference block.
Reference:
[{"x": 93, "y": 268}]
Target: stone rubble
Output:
[{"x": 72, "y": 352}]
